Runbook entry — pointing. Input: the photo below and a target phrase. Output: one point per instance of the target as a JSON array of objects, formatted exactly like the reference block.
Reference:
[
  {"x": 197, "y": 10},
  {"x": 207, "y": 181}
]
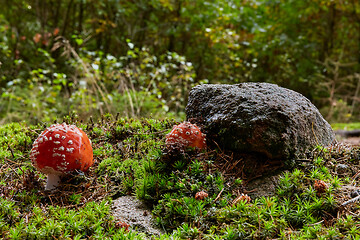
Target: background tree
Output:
[{"x": 89, "y": 53}]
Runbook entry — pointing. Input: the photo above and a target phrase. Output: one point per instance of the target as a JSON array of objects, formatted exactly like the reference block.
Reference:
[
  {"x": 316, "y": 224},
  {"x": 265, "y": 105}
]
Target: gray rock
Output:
[
  {"x": 259, "y": 118},
  {"x": 132, "y": 211}
]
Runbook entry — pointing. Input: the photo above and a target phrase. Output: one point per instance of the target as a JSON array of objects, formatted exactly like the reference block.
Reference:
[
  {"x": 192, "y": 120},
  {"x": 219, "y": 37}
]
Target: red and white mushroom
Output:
[
  {"x": 186, "y": 135},
  {"x": 61, "y": 149}
]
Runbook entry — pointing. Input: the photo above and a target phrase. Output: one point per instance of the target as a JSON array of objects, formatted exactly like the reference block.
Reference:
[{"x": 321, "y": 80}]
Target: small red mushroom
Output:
[
  {"x": 201, "y": 195},
  {"x": 61, "y": 149},
  {"x": 242, "y": 197},
  {"x": 123, "y": 225},
  {"x": 320, "y": 186},
  {"x": 186, "y": 135}
]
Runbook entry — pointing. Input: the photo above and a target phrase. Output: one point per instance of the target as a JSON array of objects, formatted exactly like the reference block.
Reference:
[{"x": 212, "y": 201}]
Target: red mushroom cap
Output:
[
  {"x": 201, "y": 195},
  {"x": 186, "y": 134},
  {"x": 320, "y": 186},
  {"x": 60, "y": 149}
]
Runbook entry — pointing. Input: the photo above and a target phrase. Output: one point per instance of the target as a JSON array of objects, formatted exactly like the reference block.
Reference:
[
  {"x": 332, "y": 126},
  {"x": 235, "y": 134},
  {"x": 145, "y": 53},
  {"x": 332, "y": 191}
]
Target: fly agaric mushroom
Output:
[
  {"x": 242, "y": 197},
  {"x": 123, "y": 225},
  {"x": 61, "y": 149},
  {"x": 320, "y": 186},
  {"x": 186, "y": 135},
  {"x": 201, "y": 195}
]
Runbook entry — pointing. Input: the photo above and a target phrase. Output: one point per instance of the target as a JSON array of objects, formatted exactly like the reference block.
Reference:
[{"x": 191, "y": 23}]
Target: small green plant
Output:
[{"x": 75, "y": 198}]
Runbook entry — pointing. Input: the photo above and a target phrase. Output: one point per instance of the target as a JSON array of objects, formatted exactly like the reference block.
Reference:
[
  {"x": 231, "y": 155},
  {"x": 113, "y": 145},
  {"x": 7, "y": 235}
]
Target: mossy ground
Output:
[
  {"x": 346, "y": 126},
  {"x": 131, "y": 159}
]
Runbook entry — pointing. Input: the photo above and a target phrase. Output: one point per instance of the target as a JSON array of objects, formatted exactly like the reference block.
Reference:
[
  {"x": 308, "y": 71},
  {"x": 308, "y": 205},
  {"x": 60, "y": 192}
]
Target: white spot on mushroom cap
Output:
[
  {"x": 70, "y": 142},
  {"x": 57, "y": 135},
  {"x": 70, "y": 150},
  {"x": 64, "y": 164},
  {"x": 34, "y": 153},
  {"x": 64, "y": 129}
]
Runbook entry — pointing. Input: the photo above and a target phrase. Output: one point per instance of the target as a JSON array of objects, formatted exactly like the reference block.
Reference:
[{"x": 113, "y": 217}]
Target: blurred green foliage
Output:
[{"x": 142, "y": 57}]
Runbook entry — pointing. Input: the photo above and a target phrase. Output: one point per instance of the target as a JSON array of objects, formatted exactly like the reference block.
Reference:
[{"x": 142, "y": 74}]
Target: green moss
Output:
[
  {"x": 346, "y": 126},
  {"x": 14, "y": 140}
]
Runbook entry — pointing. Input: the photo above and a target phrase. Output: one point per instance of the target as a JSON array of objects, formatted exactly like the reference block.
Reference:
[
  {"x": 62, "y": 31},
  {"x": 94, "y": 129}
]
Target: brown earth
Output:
[
  {"x": 351, "y": 137},
  {"x": 355, "y": 141}
]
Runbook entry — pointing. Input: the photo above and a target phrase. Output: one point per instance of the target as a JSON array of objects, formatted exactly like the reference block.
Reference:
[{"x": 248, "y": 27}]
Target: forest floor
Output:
[
  {"x": 138, "y": 190},
  {"x": 355, "y": 141}
]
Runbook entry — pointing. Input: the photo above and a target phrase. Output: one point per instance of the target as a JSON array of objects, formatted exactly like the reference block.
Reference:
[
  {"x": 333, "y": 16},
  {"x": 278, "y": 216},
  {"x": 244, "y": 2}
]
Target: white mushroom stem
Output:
[{"x": 52, "y": 182}]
